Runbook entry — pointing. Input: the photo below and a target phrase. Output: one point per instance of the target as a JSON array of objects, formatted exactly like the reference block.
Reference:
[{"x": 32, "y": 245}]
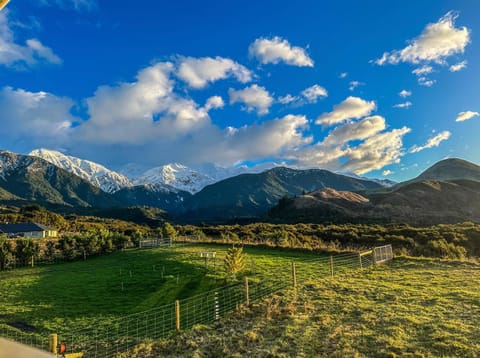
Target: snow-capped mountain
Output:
[
  {"x": 175, "y": 175},
  {"x": 96, "y": 174}
]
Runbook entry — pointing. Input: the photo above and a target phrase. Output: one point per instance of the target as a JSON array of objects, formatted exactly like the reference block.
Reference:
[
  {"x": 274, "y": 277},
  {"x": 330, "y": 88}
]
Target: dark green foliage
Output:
[
  {"x": 26, "y": 250},
  {"x": 67, "y": 246},
  {"x": 6, "y": 254}
]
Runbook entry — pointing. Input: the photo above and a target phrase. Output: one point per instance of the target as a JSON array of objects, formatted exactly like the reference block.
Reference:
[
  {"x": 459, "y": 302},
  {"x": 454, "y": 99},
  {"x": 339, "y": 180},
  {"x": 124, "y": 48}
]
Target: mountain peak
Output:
[
  {"x": 96, "y": 174},
  {"x": 451, "y": 169}
]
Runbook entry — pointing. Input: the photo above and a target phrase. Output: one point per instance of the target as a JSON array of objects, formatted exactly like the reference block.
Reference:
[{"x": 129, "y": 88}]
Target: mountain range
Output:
[{"x": 446, "y": 192}]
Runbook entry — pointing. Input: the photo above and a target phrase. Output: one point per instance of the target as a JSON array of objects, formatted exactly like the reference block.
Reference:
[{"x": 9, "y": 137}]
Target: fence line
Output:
[{"x": 124, "y": 333}]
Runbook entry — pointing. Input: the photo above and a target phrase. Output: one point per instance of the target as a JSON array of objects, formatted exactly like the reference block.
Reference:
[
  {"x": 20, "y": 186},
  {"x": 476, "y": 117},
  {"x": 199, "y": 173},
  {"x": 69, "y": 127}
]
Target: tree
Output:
[
  {"x": 234, "y": 261},
  {"x": 5, "y": 252},
  {"x": 67, "y": 245},
  {"x": 26, "y": 250},
  {"x": 49, "y": 250},
  {"x": 169, "y": 231}
]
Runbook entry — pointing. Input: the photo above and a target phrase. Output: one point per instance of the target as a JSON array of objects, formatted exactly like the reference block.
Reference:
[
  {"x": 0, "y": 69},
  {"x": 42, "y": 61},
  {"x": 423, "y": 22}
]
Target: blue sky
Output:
[{"x": 377, "y": 88}]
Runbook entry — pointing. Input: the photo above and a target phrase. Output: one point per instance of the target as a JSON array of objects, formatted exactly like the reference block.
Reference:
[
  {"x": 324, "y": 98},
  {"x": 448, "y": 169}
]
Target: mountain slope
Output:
[
  {"x": 249, "y": 195},
  {"x": 96, "y": 174},
  {"x": 34, "y": 179},
  {"x": 450, "y": 169}
]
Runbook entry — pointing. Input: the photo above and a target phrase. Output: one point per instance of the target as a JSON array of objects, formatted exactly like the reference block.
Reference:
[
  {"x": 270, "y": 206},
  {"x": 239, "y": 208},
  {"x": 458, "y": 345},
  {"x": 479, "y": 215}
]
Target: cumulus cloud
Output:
[
  {"x": 254, "y": 97},
  {"x": 387, "y": 172},
  {"x": 437, "y": 42},
  {"x": 311, "y": 94},
  {"x": 405, "y": 93},
  {"x": 343, "y": 75},
  {"x": 198, "y": 72},
  {"x": 464, "y": 116},
  {"x": 406, "y": 104},
  {"x": 32, "y": 118},
  {"x": 276, "y": 50},
  {"x": 458, "y": 66},
  {"x": 424, "y": 81},
  {"x": 26, "y": 55},
  {"x": 350, "y": 108},
  {"x": 432, "y": 142},
  {"x": 214, "y": 102},
  {"x": 376, "y": 149}
]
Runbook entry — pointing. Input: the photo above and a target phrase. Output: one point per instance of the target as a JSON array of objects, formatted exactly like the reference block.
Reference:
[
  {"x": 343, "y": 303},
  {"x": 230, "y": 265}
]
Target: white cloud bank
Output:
[
  {"x": 22, "y": 55},
  {"x": 437, "y": 42},
  {"x": 464, "y": 116},
  {"x": 432, "y": 142},
  {"x": 276, "y": 50}
]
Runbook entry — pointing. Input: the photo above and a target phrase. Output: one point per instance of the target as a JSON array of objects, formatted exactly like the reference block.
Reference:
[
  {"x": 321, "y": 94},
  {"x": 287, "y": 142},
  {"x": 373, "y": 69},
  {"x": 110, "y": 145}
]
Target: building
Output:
[{"x": 27, "y": 230}]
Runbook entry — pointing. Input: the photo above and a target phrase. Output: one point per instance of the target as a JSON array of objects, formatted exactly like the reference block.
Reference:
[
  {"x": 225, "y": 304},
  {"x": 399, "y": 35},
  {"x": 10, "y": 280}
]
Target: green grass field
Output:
[
  {"x": 80, "y": 294},
  {"x": 408, "y": 308}
]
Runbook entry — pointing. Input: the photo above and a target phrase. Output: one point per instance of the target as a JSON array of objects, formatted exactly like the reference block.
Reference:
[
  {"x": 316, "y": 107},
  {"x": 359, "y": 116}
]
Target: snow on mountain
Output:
[
  {"x": 99, "y": 176},
  {"x": 175, "y": 175},
  {"x": 193, "y": 179}
]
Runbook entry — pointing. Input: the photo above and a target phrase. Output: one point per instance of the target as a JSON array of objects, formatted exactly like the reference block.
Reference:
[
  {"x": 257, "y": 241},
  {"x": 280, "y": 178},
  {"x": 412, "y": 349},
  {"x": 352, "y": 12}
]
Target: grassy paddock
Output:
[
  {"x": 409, "y": 308},
  {"x": 94, "y": 292}
]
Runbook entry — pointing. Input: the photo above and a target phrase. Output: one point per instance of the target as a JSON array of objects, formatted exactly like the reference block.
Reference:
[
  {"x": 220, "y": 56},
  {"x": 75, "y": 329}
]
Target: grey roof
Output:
[{"x": 21, "y": 227}]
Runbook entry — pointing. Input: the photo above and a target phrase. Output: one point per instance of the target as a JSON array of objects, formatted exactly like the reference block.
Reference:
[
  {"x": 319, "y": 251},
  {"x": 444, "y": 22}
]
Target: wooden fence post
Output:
[
  {"x": 247, "y": 297},
  {"x": 331, "y": 265},
  {"x": 360, "y": 259},
  {"x": 177, "y": 315},
  {"x": 52, "y": 343},
  {"x": 294, "y": 274},
  {"x": 32, "y": 261},
  {"x": 374, "y": 258}
]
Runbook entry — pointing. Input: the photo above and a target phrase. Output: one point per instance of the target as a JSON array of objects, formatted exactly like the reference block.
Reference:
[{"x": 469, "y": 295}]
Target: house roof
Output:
[{"x": 21, "y": 227}]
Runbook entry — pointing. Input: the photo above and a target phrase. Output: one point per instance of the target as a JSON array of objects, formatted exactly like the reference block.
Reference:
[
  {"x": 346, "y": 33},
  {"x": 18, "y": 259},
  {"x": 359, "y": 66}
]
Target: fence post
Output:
[
  {"x": 247, "y": 298},
  {"x": 32, "y": 261},
  {"x": 294, "y": 274},
  {"x": 374, "y": 257},
  {"x": 331, "y": 265},
  {"x": 52, "y": 343},
  {"x": 360, "y": 259},
  {"x": 177, "y": 315}
]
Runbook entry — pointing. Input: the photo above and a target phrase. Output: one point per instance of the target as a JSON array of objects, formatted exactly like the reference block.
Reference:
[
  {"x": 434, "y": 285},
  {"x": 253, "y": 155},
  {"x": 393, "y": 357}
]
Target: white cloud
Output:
[
  {"x": 214, "y": 102},
  {"x": 254, "y": 97},
  {"x": 354, "y": 84},
  {"x": 423, "y": 70},
  {"x": 405, "y": 93},
  {"x": 15, "y": 54},
  {"x": 276, "y": 50},
  {"x": 406, "y": 104},
  {"x": 312, "y": 93},
  {"x": 458, "y": 66},
  {"x": 437, "y": 42},
  {"x": 424, "y": 81},
  {"x": 198, "y": 72},
  {"x": 464, "y": 116},
  {"x": 432, "y": 142},
  {"x": 288, "y": 99},
  {"x": 350, "y": 108},
  {"x": 387, "y": 172},
  {"x": 343, "y": 75},
  {"x": 376, "y": 150},
  {"x": 31, "y": 118}
]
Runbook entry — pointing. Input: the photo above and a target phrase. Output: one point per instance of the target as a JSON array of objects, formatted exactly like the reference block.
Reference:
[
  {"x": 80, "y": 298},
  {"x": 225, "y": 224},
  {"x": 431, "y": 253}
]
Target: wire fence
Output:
[{"x": 113, "y": 337}]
